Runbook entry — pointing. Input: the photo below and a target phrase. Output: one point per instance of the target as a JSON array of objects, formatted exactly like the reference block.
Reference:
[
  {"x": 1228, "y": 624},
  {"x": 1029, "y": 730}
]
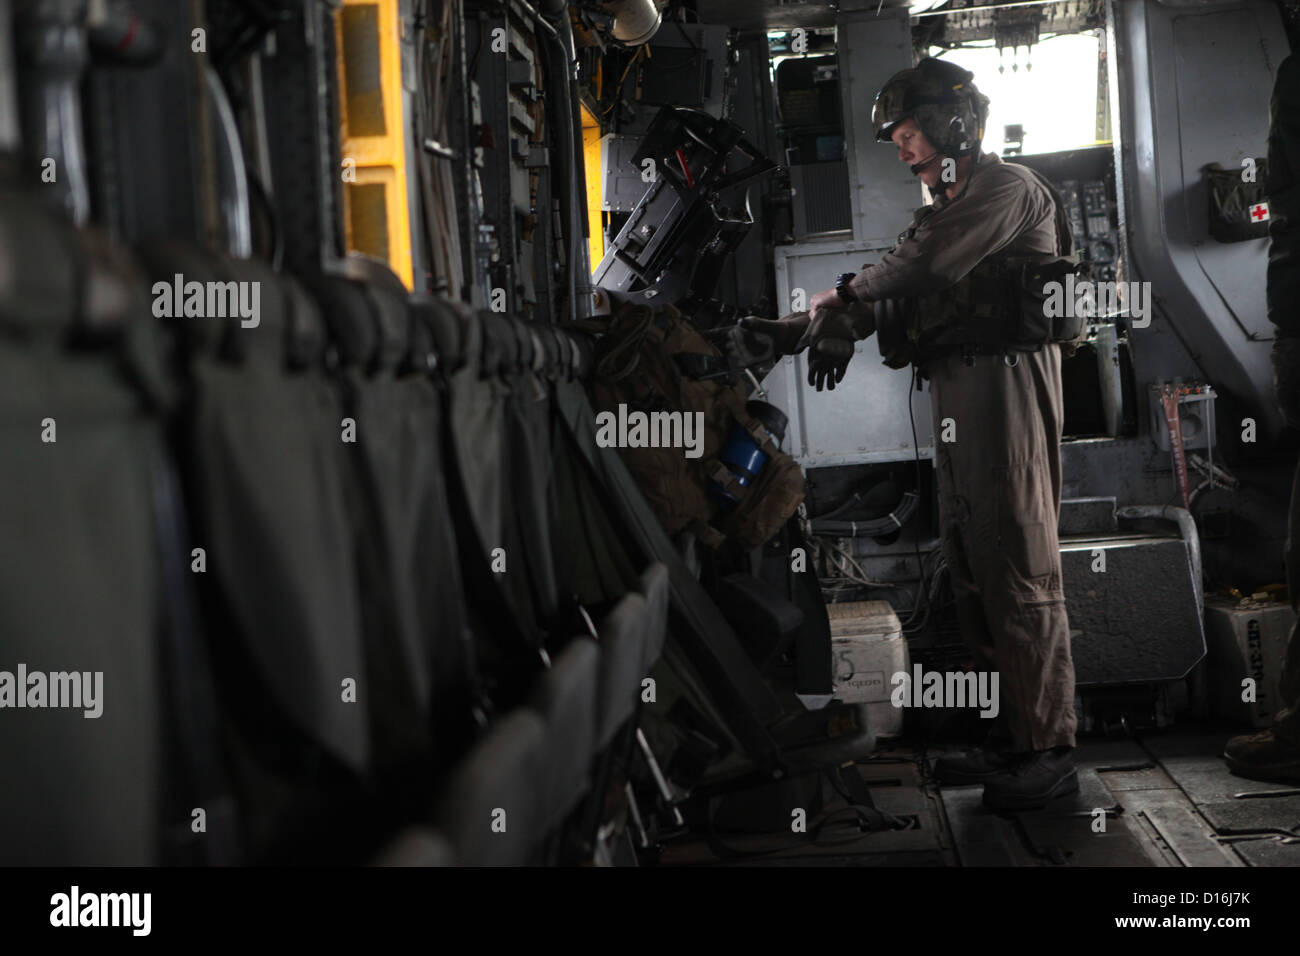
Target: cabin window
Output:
[{"x": 1049, "y": 92}]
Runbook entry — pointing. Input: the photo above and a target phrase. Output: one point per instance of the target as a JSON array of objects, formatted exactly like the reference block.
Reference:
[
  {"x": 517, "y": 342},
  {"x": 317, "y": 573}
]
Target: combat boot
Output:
[
  {"x": 1263, "y": 757},
  {"x": 974, "y": 766},
  {"x": 1033, "y": 781}
]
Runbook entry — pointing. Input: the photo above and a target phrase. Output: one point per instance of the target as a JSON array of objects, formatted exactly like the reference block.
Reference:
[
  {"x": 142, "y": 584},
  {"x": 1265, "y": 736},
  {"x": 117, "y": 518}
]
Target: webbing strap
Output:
[
  {"x": 723, "y": 476},
  {"x": 761, "y": 436},
  {"x": 1174, "y": 424}
]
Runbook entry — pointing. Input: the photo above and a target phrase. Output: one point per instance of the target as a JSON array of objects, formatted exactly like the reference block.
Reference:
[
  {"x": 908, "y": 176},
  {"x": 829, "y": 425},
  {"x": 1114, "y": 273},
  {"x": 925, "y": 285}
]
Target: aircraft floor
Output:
[{"x": 1164, "y": 799}]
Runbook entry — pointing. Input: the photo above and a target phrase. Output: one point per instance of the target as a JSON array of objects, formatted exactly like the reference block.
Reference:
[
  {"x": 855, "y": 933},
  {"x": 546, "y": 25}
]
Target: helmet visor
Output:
[{"x": 889, "y": 110}]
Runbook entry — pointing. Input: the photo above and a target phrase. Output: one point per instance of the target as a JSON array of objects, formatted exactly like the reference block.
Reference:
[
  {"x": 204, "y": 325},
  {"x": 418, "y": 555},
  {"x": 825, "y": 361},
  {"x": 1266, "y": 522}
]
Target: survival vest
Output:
[
  {"x": 999, "y": 307},
  {"x": 646, "y": 361}
]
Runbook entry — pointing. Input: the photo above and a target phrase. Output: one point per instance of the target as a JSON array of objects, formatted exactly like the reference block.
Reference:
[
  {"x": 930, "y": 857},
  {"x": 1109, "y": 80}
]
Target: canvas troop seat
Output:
[
  {"x": 477, "y": 402},
  {"x": 82, "y": 458},
  {"x": 437, "y": 343},
  {"x": 623, "y": 639},
  {"x": 515, "y": 510},
  {"x": 631, "y": 639},
  {"x": 493, "y": 561},
  {"x": 566, "y": 697},
  {"x": 332, "y": 607},
  {"x": 630, "y": 636},
  {"x": 491, "y": 810},
  {"x": 259, "y": 442},
  {"x": 653, "y": 585},
  {"x": 412, "y": 605},
  {"x": 531, "y": 475}
]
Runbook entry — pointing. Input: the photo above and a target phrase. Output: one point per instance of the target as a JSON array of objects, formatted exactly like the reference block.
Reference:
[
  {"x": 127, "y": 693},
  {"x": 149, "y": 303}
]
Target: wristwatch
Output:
[{"x": 842, "y": 288}]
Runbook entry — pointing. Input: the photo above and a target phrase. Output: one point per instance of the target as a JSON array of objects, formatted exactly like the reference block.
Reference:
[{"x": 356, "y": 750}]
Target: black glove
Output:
[
  {"x": 746, "y": 347},
  {"x": 1286, "y": 377},
  {"x": 786, "y": 332},
  {"x": 831, "y": 336}
]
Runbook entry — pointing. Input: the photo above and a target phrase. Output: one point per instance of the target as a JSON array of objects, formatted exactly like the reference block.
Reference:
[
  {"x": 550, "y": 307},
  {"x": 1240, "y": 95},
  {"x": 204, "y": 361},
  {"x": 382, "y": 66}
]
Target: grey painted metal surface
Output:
[
  {"x": 865, "y": 419},
  {"x": 883, "y": 193},
  {"x": 1177, "y": 116},
  {"x": 621, "y": 184},
  {"x": 709, "y": 38},
  {"x": 1087, "y": 516},
  {"x": 1127, "y": 469},
  {"x": 1137, "y": 621},
  {"x": 1187, "y": 836}
]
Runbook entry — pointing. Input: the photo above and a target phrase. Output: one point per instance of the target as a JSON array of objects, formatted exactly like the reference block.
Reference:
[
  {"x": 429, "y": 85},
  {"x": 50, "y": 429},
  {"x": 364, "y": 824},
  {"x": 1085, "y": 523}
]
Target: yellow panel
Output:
[
  {"x": 591, "y": 156},
  {"x": 374, "y": 130},
  {"x": 368, "y": 207}
]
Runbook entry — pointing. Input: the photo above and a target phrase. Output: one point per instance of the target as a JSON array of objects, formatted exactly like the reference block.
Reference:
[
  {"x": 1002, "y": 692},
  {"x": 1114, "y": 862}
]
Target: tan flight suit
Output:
[{"x": 999, "y": 481}]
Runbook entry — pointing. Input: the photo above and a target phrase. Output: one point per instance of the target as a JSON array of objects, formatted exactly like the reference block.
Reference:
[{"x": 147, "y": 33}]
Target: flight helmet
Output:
[{"x": 940, "y": 96}]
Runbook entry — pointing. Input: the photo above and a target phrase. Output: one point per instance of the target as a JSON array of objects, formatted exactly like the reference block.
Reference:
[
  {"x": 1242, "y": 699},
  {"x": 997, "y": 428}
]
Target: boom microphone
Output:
[{"x": 916, "y": 169}]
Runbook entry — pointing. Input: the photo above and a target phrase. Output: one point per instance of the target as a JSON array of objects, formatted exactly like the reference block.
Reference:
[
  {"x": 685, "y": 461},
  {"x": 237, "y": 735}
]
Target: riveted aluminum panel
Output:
[
  {"x": 1139, "y": 620},
  {"x": 865, "y": 419}
]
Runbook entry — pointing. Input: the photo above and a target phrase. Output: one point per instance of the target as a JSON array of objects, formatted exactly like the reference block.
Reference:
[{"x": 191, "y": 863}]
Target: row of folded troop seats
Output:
[{"x": 306, "y": 570}]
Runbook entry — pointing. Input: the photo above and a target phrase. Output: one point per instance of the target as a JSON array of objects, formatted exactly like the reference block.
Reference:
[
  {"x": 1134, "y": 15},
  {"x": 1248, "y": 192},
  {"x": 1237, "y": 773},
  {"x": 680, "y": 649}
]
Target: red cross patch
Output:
[{"x": 1259, "y": 212}]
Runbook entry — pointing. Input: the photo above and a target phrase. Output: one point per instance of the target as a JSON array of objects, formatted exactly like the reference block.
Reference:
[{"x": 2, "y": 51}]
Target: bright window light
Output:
[{"x": 1055, "y": 100}]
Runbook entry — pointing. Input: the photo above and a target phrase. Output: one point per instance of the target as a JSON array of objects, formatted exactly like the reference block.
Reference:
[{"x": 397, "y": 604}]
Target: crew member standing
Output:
[{"x": 999, "y": 482}]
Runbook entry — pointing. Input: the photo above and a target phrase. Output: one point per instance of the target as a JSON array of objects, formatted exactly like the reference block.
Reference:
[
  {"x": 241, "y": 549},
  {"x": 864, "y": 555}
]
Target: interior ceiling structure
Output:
[{"x": 965, "y": 19}]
